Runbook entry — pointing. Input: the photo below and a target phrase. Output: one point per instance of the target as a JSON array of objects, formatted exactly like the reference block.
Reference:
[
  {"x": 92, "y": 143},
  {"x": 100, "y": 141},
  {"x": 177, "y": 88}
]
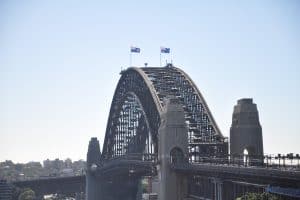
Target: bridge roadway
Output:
[
  {"x": 134, "y": 165},
  {"x": 254, "y": 174},
  {"x": 138, "y": 166},
  {"x": 68, "y": 186}
]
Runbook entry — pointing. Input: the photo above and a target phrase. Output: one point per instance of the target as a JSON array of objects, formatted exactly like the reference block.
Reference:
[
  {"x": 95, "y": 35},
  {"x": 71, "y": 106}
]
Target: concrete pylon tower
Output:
[
  {"x": 172, "y": 148},
  {"x": 93, "y": 162},
  {"x": 246, "y": 132}
]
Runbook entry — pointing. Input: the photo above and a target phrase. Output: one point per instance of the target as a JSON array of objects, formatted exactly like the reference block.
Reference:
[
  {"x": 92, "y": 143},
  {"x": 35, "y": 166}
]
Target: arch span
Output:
[{"x": 136, "y": 109}]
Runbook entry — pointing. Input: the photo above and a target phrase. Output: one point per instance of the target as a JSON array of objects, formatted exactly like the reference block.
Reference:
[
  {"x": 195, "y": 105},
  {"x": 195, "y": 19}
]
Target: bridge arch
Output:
[
  {"x": 137, "y": 106},
  {"x": 133, "y": 91}
]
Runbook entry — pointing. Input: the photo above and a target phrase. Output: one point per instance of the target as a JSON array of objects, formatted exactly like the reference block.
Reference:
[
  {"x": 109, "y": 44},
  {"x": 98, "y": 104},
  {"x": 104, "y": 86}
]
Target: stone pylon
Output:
[
  {"x": 93, "y": 162},
  {"x": 246, "y": 131},
  {"x": 172, "y": 148}
]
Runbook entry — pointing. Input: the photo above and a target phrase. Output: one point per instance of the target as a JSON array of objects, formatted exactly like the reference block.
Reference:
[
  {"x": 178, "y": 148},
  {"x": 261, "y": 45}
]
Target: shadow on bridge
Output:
[{"x": 133, "y": 164}]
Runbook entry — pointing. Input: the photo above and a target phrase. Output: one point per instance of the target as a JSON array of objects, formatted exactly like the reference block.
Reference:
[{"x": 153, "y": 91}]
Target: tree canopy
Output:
[{"x": 27, "y": 194}]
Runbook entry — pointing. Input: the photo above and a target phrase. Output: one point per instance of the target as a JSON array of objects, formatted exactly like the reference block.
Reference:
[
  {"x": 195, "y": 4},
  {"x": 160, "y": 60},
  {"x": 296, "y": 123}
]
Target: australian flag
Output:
[
  {"x": 164, "y": 50},
  {"x": 135, "y": 50}
]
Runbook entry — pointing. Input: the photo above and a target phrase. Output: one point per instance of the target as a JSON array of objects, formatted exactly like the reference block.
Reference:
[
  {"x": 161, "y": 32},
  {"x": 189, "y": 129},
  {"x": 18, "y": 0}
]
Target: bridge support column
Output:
[
  {"x": 172, "y": 149},
  {"x": 93, "y": 161},
  {"x": 218, "y": 189}
]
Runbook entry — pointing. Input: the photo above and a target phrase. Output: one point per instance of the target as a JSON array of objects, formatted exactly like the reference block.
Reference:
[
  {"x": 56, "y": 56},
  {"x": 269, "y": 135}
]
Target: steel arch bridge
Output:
[
  {"x": 136, "y": 109},
  {"x": 160, "y": 129}
]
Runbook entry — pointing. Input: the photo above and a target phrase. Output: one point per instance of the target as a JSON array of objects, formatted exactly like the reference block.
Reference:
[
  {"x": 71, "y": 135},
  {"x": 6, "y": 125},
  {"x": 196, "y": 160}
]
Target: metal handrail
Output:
[{"x": 289, "y": 161}]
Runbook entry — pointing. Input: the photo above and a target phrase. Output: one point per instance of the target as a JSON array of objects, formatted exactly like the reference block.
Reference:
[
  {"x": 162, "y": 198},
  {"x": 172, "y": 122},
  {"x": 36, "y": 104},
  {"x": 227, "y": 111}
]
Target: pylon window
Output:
[{"x": 176, "y": 156}]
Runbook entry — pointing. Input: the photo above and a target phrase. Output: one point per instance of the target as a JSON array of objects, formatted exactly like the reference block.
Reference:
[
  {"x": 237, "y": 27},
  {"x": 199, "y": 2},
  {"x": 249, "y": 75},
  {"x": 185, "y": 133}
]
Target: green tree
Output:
[{"x": 27, "y": 194}]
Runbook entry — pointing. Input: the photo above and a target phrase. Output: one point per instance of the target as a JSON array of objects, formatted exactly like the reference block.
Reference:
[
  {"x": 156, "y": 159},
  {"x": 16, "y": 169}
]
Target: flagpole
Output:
[
  {"x": 171, "y": 57},
  {"x": 130, "y": 59},
  {"x": 160, "y": 59}
]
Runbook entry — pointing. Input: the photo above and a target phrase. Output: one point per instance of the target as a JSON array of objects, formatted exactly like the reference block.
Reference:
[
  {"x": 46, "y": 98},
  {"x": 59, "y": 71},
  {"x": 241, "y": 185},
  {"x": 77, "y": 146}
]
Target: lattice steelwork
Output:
[
  {"x": 137, "y": 106},
  {"x": 133, "y": 118},
  {"x": 129, "y": 123}
]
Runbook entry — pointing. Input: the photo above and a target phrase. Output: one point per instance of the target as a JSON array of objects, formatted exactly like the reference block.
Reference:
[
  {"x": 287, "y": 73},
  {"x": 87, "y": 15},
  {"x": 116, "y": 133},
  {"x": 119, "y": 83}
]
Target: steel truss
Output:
[{"x": 137, "y": 106}]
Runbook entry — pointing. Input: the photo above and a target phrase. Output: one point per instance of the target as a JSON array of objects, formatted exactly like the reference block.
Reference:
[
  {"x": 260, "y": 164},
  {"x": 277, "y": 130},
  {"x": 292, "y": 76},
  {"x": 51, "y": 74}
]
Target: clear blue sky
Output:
[{"x": 60, "y": 63}]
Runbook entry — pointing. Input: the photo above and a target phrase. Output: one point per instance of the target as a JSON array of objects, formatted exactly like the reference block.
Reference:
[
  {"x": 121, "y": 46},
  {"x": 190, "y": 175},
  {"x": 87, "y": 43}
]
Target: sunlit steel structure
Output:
[
  {"x": 160, "y": 127},
  {"x": 136, "y": 109}
]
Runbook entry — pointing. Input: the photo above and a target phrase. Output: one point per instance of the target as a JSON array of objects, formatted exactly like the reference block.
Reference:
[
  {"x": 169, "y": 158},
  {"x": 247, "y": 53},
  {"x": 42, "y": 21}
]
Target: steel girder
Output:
[{"x": 136, "y": 111}]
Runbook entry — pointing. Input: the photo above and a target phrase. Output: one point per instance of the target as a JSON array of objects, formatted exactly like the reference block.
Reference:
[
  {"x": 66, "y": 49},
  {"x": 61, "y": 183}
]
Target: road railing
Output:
[{"x": 281, "y": 161}]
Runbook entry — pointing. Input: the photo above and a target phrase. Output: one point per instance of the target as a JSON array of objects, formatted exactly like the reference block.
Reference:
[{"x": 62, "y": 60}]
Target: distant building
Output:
[
  {"x": 67, "y": 172},
  {"x": 5, "y": 190},
  {"x": 68, "y": 163},
  {"x": 34, "y": 170}
]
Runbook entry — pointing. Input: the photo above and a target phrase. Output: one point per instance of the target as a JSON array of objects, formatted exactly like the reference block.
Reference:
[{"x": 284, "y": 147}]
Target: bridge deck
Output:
[{"x": 249, "y": 173}]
